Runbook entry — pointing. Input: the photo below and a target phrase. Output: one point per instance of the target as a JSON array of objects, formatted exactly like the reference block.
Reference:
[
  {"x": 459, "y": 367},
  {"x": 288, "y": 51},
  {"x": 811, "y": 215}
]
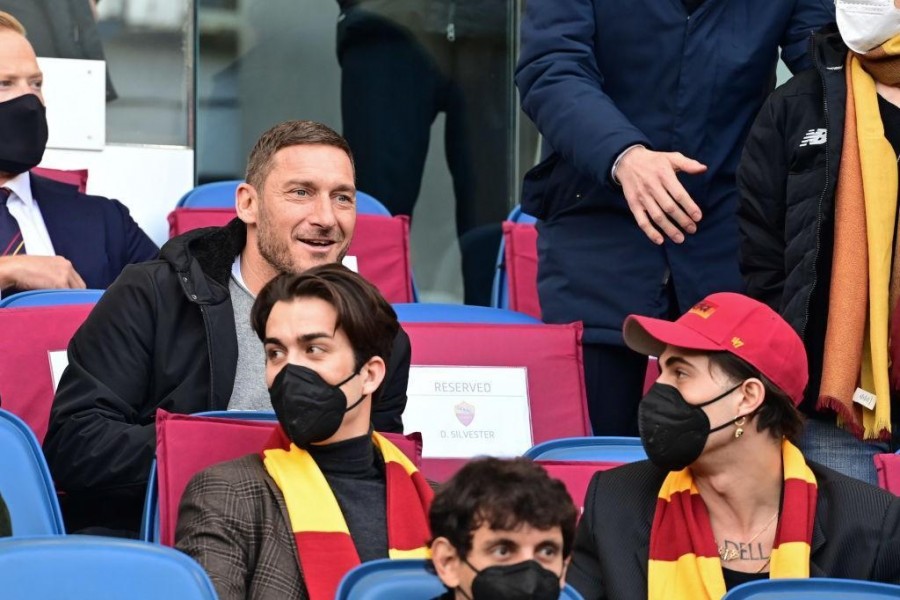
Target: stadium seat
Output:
[
  {"x": 888, "y": 468},
  {"x": 51, "y": 298},
  {"x": 99, "y": 568},
  {"x": 820, "y": 588},
  {"x": 25, "y": 482},
  {"x": 458, "y": 313},
  {"x": 576, "y": 475},
  {"x": 221, "y": 194},
  {"x": 187, "y": 444},
  {"x": 551, "y": 355},
  {"x": 515, "y": 281},
  {"x": 597, "y": 448},
  {"x": 380, "y": 245},
  {"x": 30, "y": 337},
  {"x": 407, "y": 579}
]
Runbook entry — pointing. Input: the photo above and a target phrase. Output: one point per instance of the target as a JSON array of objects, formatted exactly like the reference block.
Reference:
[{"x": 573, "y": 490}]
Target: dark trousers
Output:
[
  {"x": 614, "y": 377},
  {"x": 395, "y": 82}
]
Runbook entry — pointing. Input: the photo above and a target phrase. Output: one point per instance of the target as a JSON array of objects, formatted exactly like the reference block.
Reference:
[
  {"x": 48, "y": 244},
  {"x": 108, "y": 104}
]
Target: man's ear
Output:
[
  {"x": 372, "y": 374},
  {"x": 246, "y": 202},
  {"x": 754, "y": 394},
  {"x": 446, "y": 562}
]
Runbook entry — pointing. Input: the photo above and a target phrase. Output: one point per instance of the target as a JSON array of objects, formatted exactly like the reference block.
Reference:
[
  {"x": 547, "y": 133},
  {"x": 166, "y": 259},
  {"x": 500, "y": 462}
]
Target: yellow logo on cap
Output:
[
  {"x": 704, "y": 310},
  {"x": 737, "y": 342}
]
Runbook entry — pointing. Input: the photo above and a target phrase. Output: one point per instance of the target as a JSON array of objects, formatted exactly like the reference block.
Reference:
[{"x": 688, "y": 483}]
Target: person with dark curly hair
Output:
[{"x": 502, "y": 529}]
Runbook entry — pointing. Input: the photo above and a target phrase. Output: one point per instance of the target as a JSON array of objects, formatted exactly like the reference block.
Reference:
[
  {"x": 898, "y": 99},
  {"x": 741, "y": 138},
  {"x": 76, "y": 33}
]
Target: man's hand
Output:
[
  {"x": 655, "y": 194},
  {"x": 26, "y": 272}
]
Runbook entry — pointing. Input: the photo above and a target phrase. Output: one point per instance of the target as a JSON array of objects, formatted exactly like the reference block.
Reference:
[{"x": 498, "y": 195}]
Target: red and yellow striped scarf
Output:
[
  {"x": 684, "y": 560},
  {"x": 325, "y": 549}
]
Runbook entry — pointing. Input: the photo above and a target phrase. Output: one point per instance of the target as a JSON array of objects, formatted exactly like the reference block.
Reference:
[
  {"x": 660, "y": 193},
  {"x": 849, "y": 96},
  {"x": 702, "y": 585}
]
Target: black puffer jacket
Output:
[
  {"x": 787, "y": 180},
  {"x": 145, "y": 346}
]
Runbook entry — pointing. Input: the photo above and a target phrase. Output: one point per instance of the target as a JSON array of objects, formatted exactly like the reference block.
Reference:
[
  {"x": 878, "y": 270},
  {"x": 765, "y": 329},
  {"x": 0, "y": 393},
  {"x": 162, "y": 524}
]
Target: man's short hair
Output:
[
  {"x": 10, "y": 23},
  {"x": 504, "y": 494},
  {"x": 284, "y": 135},
  {"x": 362, "y": 312}
]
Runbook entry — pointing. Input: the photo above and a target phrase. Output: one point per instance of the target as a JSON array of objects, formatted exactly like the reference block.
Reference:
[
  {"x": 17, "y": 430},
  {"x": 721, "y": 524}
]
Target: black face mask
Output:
[
  {"x": 674, "y": 432},
  {"x": 526, "y": 580},
  {"x": 23, "y": 134},
  {"x": 309, "y": 408}
]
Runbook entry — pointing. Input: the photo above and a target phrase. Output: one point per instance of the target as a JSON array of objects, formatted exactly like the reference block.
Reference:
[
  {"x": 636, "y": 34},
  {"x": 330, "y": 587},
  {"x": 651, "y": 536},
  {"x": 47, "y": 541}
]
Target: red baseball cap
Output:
[{"x": 731, "y": 323}]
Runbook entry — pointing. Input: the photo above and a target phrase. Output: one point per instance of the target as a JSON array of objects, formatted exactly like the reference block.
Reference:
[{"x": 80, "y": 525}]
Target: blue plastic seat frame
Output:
[
  {"x": 409, "y": 579},
  {"x": 459, "y": 313},
  {"x": 820, "y": 588},
  {"x": 597, "y": 448},
  {"x": 220, "y": 194},
  {"x": 51, "y": 298},
  {"x": 99, "y": 568},
  {"x": 150, "y": 516},
  {"x": 25, "y": 482},
  {"x": 500, "y": 287}
]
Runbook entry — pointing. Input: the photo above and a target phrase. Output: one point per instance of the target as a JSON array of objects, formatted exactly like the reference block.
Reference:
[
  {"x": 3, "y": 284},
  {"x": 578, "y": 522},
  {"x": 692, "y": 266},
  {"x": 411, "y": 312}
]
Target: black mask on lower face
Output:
[
  {"x": 23, "y": 134},
  {"x": 673, "y": 431},
  {"x": 309, "y": 408},
  {"x": 526, "y": 580}
]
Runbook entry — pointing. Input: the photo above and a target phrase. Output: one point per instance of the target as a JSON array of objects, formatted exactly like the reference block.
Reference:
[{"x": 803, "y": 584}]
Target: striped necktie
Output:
[{"x": 11, "y": 242}]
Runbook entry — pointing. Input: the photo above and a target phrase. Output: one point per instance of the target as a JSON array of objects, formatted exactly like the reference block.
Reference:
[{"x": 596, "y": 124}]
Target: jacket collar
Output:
[{"x": 203, "y": 257}]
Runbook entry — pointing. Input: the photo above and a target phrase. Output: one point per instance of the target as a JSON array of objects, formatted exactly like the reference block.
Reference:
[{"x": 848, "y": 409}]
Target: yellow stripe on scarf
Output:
[
  {"x": 310, "y": 502},
  {"x": 879, "y": 174},
  {"x": 688, "y": 578}
]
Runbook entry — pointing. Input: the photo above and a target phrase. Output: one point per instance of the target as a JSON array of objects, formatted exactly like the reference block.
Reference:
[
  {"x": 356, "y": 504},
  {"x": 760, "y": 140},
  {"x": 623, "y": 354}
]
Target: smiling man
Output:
[
  {"x": 503, "y": 530},
  {"x": 175, "y": 333}
]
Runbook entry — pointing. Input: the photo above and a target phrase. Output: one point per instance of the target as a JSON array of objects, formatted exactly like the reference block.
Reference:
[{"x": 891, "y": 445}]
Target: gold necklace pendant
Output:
[{"x": 727, "y": 554}]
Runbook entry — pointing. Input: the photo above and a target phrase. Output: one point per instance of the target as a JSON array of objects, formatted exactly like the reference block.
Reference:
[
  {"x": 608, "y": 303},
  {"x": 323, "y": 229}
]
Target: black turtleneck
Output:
[{"x": 355, "y": 472}]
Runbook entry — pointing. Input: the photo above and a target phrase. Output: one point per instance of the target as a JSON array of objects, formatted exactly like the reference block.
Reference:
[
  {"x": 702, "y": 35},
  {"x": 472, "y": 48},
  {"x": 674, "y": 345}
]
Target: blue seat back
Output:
[
  {"x": 25, "y": 482},
  {"x": 407, "y": 579},
  {"x": 369, "y": 205},
  {"x": 820, "y": 588},
  {"x": 458, "y": 313},
  {"x": 218, "y": 194},
  {"x": 98, "y": 568},
  {"x": 500, "y": 287},
  {"x": 51, "y": 298},
  {"x": 221, "y": 194},
  {"x": 150, "y": 517},
  {"x": 597, "y": 448}
]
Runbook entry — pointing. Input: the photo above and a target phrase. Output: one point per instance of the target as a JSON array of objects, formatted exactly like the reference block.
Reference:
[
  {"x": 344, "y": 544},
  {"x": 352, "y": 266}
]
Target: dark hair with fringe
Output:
[{"x": 503, "y": 494}]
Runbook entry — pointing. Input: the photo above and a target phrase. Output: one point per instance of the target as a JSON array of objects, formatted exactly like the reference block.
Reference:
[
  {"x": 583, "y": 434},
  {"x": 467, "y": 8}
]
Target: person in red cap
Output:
[{"x": 726, "y": 497}]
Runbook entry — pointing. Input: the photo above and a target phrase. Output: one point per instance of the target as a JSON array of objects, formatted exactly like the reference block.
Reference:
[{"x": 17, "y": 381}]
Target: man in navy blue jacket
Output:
[
  {"x": 644, "y": 106},
  {"x": 51, "y": 236}
]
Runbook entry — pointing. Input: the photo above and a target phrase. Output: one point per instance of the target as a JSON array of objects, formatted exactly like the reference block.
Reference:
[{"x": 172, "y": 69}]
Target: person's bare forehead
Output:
[{"x": 17, "y": 57}]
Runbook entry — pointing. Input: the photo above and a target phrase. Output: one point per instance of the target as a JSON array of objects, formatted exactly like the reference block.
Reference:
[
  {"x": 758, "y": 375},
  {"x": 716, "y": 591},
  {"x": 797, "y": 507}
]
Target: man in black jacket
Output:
[
  {"x": 174, "y": 334},
  {"x": 788, "y": 180}
]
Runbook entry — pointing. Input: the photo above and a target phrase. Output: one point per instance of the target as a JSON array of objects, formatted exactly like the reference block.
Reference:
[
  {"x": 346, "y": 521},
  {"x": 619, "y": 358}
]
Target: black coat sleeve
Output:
[
  {"x": 887, "y": 564},
  {"x": 584, "y": 571},
  {"x": 762, "y": 181},
  {"x": 101, "y": 435},
  {"x": 387, "y": 414},
  {"x": 5, "y": 524}
]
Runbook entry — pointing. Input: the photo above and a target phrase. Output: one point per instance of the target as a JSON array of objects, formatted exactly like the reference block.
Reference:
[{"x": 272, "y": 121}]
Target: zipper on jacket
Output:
[
  {"x": 206, "y": 330},
  {"x": 451, "y": 18},
  {"x": 815, "y": 261}
]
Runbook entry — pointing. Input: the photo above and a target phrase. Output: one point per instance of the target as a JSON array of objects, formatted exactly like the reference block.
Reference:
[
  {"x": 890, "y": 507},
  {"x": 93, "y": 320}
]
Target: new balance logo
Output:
[{"x": 814, "y": 137}]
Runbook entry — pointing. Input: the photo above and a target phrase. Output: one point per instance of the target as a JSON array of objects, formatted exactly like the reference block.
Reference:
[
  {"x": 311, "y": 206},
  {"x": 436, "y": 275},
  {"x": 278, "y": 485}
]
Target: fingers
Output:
[
  {"x": 643, "y": 222},
  {"x": 683, "y": 207},
  {"x": 680, "y": 162},
  {"x": 75, "y": 281}
]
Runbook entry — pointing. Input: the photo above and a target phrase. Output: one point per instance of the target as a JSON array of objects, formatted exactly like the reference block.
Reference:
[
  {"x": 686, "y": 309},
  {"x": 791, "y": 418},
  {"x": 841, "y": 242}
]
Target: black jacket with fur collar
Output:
[{"x": 145, "y": 346}]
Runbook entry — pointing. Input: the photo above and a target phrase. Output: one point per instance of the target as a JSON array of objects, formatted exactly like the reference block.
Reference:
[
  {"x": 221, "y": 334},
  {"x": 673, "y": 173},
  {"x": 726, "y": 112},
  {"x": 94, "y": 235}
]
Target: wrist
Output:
[{"x": 613, "y": 173}]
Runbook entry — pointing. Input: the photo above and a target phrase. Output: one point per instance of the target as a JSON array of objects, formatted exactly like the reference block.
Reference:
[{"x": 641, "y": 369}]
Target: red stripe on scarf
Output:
[
  {"x": 673, "y": 536},
  {"x": 324, "y": 559},
  {"x": 405, "y": 500},
  {"x": 799, "y": 499}
]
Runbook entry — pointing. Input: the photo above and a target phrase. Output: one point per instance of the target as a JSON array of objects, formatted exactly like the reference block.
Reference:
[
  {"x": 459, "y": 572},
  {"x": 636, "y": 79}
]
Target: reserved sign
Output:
[{"x": 469, "y": 411}]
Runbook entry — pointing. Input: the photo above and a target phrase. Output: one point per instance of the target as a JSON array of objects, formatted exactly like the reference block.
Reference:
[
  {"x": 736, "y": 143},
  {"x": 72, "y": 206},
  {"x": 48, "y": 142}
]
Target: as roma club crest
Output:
[{"x": 465, "y": 412}]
